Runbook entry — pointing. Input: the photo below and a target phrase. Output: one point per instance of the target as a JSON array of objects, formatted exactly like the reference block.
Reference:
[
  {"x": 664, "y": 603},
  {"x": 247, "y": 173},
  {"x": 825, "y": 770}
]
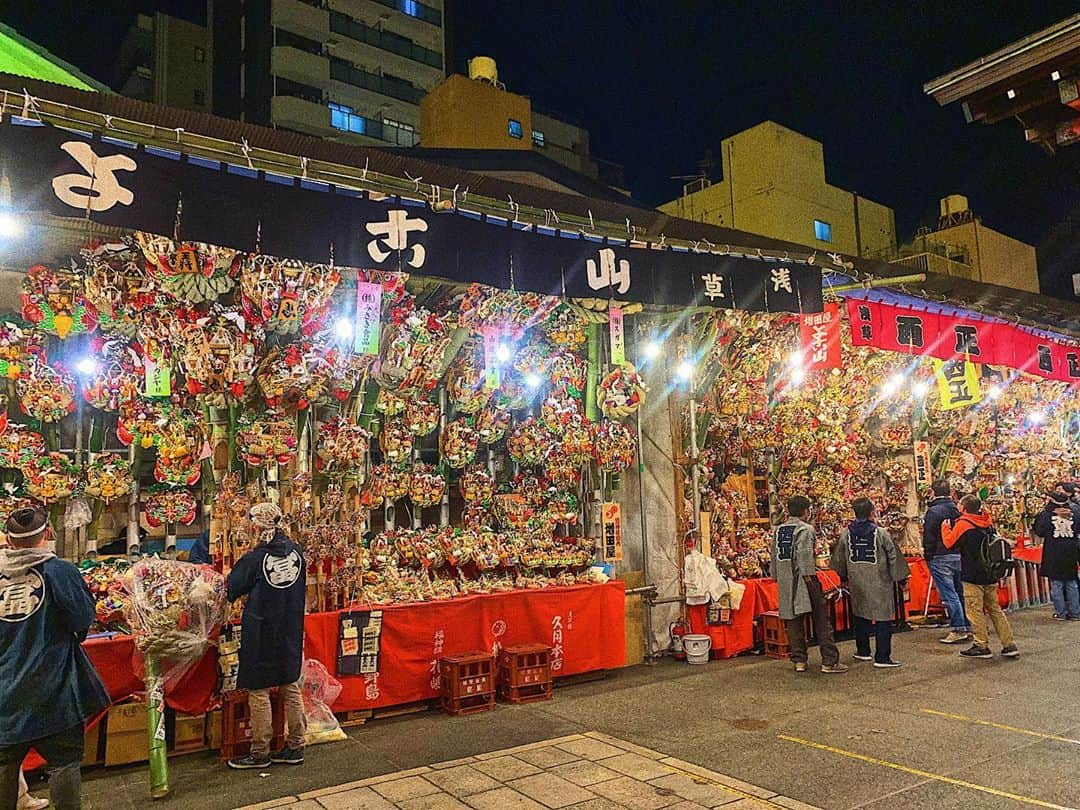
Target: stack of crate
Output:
[
  {"x": 774, "y": 633},
  {"x": 236, "y": 724},
  {"x": 524, "y": 673},
  {"x": 467, "y": 683}
]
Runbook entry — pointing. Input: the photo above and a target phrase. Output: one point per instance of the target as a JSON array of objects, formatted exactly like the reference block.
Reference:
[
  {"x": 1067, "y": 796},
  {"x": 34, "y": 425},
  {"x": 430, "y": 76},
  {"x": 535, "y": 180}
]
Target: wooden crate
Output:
[
  {"x": 774, "y": 634},
  {"x": 467, "y": 683},
  {"x": 524, "y": 673}
]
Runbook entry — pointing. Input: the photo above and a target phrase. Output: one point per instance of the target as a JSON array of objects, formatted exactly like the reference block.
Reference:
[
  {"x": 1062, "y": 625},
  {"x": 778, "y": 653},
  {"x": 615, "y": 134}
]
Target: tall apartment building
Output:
[
  {"x": 352, "y": 70},
  {"x": 774, "y": 184},
  {"x": 166, "y": 60}
]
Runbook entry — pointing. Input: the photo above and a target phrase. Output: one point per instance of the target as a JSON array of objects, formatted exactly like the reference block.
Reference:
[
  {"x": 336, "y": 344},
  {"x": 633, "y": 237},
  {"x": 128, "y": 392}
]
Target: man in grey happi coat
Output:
[
  {"x": 869, "y": 560},
  {"x": 800, "y": 591}
]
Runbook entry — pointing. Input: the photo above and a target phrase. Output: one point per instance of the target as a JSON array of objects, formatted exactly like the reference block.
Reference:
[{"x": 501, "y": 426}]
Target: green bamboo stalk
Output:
[
  {"x": 155, "y": 729},
  {"x": 591, "y": 373}
]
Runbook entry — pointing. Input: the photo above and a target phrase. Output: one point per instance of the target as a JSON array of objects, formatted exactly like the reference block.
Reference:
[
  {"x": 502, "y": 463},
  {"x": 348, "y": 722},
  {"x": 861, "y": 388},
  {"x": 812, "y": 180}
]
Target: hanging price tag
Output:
[
  {"x": 492, "y": 376},
  {"x": 368, "y": 325},
  {"x": 618, "y": 336},
  {"x": 157, "y": 378}
]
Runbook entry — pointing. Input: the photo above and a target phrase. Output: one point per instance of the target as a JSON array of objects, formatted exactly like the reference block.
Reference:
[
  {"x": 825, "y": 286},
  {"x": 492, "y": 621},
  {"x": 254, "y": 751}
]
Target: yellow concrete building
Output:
[
  {"x": 774, "y": 185},
  {"x": 463, "y": 113}
]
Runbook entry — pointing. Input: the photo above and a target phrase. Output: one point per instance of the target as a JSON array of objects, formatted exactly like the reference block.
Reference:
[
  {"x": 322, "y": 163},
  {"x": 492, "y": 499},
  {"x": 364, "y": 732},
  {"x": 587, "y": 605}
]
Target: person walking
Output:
[
  {"x": 273, "y": 577},
  {"x": 970, "y": 533},
  {"x": 1058, "y": 526},
  {"x": 867, "y": 558},
  {"x": 944, "y": 564},
  {"x": 800, "y": 591},
  {"x": 48, "y": 687}
]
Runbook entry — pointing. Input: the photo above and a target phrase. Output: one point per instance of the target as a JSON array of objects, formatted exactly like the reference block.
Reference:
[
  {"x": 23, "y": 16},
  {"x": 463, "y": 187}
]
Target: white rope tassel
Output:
[
  {"x": 303, "y": 167},
  {"x": 246, "y": 149}
]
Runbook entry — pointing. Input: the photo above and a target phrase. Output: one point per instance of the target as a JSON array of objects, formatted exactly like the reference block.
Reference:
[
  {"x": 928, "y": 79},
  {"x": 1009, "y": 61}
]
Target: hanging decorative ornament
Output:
[
  {"x": 458, "y": 442},
  {"x": 563, "y": 471},
  {"x": 18, "y": 443},
  {"x": 421, "y": 416},
  {"x": 533, "y": 488},
  {"x": 10, "y": 501},
  {"x": 477, "y": 486},
  {"x": 179, "y": 446},
  {"x": 286, "y": 296},
  {"x": 192, "y": 272},
  {"x": 163, "y": 506},
  {"x": 476, "y": 516},
  {"x": 118, "y": 287},
  {"x": 341, "y": 447},
  {"x": 117, "y": 379},
  {"x": 557, "y": 410},
  {"x": 396, "y": 441},
  {"x": 566, "y": 328},
  {"x": 577, "y": 440},
  {"x": 514, "y": 311},
  {"x": 266, "y": 439},
  {"x": 615, "y": 444},
  {"x": 528, "y": 442},
  {"x": 426, "y": 485},
  {"x": 294, "y": 377},
  {"x": 533, "y": 359},
  {"x": 389, "y": 481},
  {"x": 217, "y": 354},
  {"x": 55, "y": 302},
  {"x": 466, "y": 389},
  {"x": 108, "y": 476},
  {"x": 492, "y": 422},
  {"x": 143, "y": 422},
  {"x": 50, "y": 477},
  {"x": 567, "y": 374},
  {"x": 44, "y": 393},
  {"x": 389, "y": 404},
  {"x": 564, "y": 507},
  {"x": 13, "y": 350},
  {"x": 621, "y": 392},
  {"x": 412, "y": 352}
]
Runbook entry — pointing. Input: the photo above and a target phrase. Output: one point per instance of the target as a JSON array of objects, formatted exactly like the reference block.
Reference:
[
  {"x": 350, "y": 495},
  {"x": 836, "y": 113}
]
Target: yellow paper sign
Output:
[{"x": 958, "y": 383}]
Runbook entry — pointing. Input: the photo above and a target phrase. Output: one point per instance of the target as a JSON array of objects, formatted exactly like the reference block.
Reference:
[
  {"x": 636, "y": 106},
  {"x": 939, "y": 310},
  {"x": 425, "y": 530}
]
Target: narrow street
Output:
[{"x": 940, "y": 732}]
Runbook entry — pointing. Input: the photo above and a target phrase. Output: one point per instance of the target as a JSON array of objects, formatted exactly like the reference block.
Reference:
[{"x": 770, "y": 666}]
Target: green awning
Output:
[{"x": 21, "y": 57}]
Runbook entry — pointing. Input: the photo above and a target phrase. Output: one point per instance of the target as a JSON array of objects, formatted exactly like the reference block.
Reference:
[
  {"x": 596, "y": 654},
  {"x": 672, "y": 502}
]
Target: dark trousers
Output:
[
  {"x": 882, "y": 631},
  {"x": 823, "y": 629},
  {"x": 63, "y": 753}
]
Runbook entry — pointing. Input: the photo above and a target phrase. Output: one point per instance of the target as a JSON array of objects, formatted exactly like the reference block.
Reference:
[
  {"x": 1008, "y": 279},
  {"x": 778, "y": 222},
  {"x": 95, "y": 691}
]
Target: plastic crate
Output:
[
  {"x": 236, "y": 724},
  {"x": 467, "y": 683},
  {"x": 524, "y": 673},
  {"x": 774, "y": 634}
]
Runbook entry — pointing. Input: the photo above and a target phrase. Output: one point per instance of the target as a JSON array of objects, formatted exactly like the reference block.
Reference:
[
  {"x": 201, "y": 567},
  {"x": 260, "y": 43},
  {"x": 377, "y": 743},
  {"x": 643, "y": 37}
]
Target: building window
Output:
[
  {"x": 199, "y": 98},
  {"x": 513, "y": 126},
  {"x": 398, "y": 132},
  {"x": 345, "y": 119},
  {"x": 395, "y": 43},
  {"x": 411, "y": 7},
  {"x": 291, "y": 40},
  {"x": 822, "y": 231},
  {"x": 200, "y": 54},
  {"x": 538, "y": 139}
]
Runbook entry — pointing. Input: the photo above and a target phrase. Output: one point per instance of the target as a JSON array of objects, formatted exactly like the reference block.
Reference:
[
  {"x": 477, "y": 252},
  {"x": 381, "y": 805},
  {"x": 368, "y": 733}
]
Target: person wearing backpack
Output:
[
  {"x": 984, "y": 559},
  {"x": 1058, "y": 526}
]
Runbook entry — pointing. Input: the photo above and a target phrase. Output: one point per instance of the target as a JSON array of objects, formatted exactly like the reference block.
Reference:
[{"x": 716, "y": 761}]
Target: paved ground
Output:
[{"x": 939, "y": 733}]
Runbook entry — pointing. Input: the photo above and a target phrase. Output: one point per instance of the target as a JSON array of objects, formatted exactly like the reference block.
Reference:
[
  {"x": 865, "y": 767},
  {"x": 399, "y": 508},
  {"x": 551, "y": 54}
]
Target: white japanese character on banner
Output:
[
  {"x": 608, "y": 273},
  {"x": 714, "y": 285},
  {"x": 395, "y": 236},
  {"x": 1063, "y": 526},
  {"x": 819, "y": 344},
  {"x": 781, "y": 279},
  {"x": 98, "y": 189}
]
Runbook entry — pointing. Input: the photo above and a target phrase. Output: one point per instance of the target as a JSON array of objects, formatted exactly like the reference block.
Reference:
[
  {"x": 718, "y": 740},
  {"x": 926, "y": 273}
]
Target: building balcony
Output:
[
  {"x": 299, "y": 66},
  {"x": 301, "y": 115},
  {"x": 935, "y": 263},
  {"x": 306, "y": 19}
]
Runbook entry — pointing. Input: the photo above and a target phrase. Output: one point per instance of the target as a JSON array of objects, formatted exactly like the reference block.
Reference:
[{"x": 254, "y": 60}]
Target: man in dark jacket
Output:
[
  {"x": 48, "y": 687},
  {"x": 1058, "y": 526},
  {"x": 944, "y": 563},
  {"x": 969, "y": 533},
  {"x": 273, "y": 577}
]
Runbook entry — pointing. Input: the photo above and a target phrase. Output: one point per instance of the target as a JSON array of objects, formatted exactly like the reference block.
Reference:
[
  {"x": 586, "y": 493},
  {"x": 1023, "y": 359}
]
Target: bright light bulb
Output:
[
  {"x": 893, "y": 384},
  {"x": 921, "y": 389},
  {"x": 86, "y": 366},
  {"x": 10, "y": 225},
  {"x": 1036, "y": 417},
  {"x": 796, "y": 360},
  {"x": 651, "y": 350},
  {"x": 993, "y": 392},
  {"x": 797, "y": 376},
  {"x": 533, "y": 380},
  {"x": 684, "y": 370},
  {"x": 1011, "y": 479},
  {"x": 343, "y": 328},
  {"x": 503, "y": 353}
]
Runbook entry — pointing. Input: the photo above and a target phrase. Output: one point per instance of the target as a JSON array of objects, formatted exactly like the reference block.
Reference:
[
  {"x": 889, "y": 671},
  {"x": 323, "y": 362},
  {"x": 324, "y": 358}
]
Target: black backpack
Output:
[{"x": 995, "y": 555}]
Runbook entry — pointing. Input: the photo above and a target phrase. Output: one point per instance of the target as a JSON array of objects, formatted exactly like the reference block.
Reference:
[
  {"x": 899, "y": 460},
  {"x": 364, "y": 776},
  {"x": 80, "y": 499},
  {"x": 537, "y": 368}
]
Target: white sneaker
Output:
[
  {"x": 858, "y": 657},
  {"x": 956, "y": 638},
  {"x": 28, "y": 802},
  {"x": 886, "y": 664}
]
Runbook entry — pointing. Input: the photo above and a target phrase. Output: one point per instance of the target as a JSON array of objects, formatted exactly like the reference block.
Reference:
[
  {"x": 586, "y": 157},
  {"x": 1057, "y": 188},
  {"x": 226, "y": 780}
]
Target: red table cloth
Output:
[{"x": 920, "y": 581}]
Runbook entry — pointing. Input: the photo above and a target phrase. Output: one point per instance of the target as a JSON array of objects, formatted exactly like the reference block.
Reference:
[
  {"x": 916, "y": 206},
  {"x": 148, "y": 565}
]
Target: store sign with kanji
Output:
[
  {"x": 114, "y": 183},
  {"x": 819, "y": 339}
]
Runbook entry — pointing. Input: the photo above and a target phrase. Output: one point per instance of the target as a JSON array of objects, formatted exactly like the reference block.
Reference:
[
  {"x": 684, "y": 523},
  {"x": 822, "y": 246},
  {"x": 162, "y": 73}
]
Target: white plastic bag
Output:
[{"x": 320, "y": 690}]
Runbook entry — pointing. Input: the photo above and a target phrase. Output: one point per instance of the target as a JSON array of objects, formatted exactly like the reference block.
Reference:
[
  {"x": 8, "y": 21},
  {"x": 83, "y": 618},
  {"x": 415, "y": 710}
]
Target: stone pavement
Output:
[
  {"x": 941, "y": 732},
  {"x": 590, "y": 771}
]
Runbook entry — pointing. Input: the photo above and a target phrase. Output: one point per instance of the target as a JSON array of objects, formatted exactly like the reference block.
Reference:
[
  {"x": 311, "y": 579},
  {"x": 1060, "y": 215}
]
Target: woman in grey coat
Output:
[{"x": 868, "y": 559}]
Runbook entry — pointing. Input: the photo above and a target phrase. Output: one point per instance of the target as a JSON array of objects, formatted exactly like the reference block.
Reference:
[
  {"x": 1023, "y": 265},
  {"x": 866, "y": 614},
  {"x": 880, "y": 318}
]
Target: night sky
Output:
[{"x": 659, "y": 83}]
